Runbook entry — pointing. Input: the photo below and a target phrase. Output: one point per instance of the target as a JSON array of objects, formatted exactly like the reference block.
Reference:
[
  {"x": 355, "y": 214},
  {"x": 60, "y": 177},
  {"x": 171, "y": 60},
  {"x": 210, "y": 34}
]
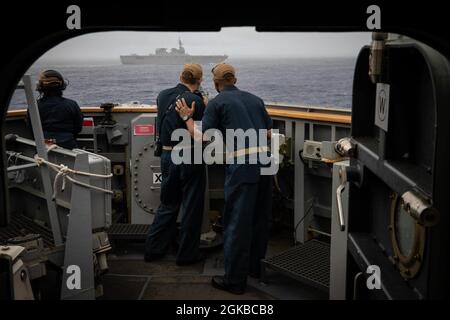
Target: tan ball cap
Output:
[
  {"x": 221, "y": 70},
  {"x": 195, "y": 69}
]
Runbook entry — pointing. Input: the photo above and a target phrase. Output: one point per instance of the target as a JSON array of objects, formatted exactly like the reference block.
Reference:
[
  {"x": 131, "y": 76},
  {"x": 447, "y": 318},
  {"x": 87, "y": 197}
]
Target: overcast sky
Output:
[{"x": 242, "y": 42}]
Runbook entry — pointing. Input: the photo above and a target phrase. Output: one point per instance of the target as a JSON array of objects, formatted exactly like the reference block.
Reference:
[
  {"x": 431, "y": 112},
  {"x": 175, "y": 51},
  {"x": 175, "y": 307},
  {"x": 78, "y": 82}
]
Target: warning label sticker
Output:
[{"x": 144, "y": 130}]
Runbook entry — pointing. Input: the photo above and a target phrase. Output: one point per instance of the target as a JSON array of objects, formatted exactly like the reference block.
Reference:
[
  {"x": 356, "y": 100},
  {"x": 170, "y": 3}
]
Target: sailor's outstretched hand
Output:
[{"x": 183, "y": 109}]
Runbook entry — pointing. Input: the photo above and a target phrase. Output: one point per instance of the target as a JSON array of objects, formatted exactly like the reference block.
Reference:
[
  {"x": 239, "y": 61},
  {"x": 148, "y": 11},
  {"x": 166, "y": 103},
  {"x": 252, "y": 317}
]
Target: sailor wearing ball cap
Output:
[
  {"x": 248, "y": 194},
  {"x": 182, "y": 185}
]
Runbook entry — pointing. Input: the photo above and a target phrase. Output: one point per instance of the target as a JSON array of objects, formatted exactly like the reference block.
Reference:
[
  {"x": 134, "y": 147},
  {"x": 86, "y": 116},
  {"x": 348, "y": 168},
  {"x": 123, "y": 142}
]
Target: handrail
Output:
[{"x": 311, "y": 113}]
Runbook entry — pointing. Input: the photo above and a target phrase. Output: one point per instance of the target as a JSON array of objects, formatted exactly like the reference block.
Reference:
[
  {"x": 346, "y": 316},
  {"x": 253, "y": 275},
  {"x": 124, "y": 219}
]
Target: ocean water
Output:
[{"x": 309, "y": 82}]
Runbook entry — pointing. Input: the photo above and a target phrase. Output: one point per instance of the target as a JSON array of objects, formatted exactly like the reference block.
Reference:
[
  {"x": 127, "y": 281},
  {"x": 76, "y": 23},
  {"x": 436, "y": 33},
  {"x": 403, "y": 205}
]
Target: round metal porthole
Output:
[{"x": 408, "y": 239}]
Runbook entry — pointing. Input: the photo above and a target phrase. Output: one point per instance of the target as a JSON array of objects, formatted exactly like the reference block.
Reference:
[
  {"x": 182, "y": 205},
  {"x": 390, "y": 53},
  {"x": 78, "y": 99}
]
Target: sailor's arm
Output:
[{"x": 186, "y": 113}]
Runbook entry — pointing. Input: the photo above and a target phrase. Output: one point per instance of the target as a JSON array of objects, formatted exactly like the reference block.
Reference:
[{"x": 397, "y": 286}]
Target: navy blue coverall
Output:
[
  {"x": 61, "y": 120},
  {"x": 248, "y": 194},
  {"x": 182, "y": 185}
]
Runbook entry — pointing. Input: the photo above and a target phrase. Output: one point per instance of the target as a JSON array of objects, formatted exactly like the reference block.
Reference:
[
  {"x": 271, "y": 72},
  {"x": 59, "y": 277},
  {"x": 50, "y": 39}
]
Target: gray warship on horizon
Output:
[{"x": 174, "y": 57}]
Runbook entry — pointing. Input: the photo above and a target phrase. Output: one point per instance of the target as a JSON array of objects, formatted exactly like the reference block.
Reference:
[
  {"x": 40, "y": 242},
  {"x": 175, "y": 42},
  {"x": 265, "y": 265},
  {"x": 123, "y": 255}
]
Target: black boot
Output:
[{"x": 219, "y": 282}]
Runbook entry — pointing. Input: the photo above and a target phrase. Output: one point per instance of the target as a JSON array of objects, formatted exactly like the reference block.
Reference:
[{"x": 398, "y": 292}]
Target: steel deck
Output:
[
  {"x": 308, "y": 263},
  {"x": 125, "y": 231},
  {"x": 21, "y": 225}
]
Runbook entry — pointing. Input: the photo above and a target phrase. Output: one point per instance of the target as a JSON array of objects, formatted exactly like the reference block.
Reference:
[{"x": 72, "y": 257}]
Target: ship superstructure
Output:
[{"x": 176, "y": 56}]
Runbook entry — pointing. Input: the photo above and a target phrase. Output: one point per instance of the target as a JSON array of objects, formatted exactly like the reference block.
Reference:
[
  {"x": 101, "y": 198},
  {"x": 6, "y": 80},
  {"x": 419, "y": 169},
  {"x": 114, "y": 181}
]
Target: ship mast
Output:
[{"x": 180, "y": 46}]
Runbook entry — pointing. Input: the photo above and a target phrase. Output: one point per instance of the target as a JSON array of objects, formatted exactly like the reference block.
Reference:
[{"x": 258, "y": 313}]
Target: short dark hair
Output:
[{"x": 188, "y": 77}]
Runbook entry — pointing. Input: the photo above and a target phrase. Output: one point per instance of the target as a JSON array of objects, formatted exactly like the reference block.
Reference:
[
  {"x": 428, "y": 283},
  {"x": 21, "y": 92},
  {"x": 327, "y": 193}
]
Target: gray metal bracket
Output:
[
  {"x": 42, "y": 152},
  {"x": 338, "y": 252},
  {"x": 79, "y": 252}
]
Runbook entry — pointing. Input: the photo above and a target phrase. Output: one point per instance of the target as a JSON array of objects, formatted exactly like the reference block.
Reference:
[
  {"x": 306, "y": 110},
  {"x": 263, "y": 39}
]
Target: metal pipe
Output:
[
  {"x": 19, "y": 156},
  {"x": 345, "y": 147},
  {"x": 376, "y": 56},
  {"x": 21, "y": 167},
  {"x": 339, "y": 192},
  {"x": 355, "y": 285},
  {"x": 319, "y": 232},
  {"x": 420, "y": 209}
]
